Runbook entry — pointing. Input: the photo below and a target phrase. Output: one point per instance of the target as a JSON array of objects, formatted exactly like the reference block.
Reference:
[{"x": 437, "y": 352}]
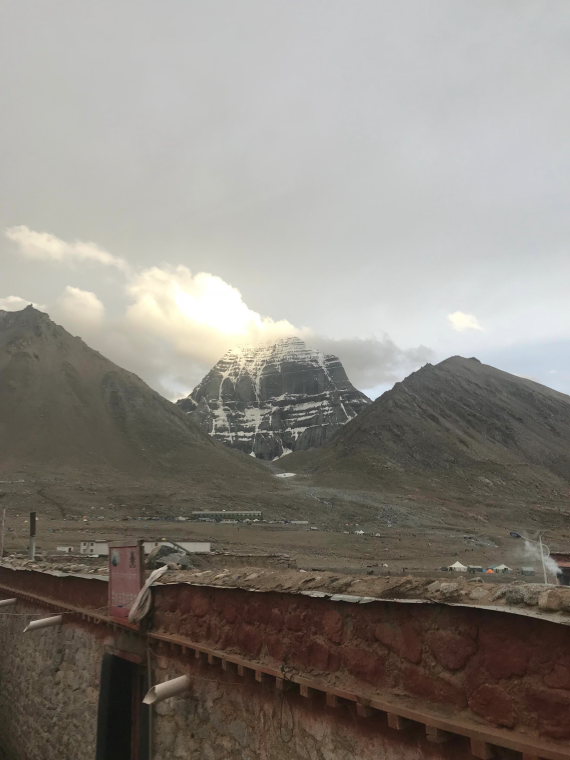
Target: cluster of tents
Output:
[{"x": 458, "y": 567}]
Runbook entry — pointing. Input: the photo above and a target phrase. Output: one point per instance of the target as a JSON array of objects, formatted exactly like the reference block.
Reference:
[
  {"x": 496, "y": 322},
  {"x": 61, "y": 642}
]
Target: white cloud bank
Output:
[
  {"x": 47, "y": 247},
  {"x": 177, "y": 324},
  {"x": 81, "y": 308},
  {"x": 200, "y": 315},
  {"x": 461, "y": 321}
]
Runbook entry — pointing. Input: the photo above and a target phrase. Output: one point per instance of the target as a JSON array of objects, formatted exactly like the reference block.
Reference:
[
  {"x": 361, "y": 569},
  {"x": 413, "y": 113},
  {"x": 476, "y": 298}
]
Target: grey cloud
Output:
[{"x": 371, "y": 362}]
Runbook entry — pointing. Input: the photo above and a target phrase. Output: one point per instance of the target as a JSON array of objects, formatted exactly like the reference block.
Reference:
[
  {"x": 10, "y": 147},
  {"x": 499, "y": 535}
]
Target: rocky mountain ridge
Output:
[
  {"x": 459, "y": 427},
  {"x": 270, "y": 400}
]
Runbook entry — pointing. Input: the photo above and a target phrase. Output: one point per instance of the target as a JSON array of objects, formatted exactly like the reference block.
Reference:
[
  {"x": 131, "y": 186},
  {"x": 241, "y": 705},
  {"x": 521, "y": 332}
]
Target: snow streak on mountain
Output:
[{"x": 274, "y": 399}]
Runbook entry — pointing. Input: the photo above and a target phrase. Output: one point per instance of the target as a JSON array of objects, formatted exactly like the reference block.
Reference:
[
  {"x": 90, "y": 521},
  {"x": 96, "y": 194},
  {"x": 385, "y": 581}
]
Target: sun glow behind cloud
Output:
[
  {"x": 208, "y": 300},
  {"x": 198, "y": 313},
  {"x": 176, "y": 324}
]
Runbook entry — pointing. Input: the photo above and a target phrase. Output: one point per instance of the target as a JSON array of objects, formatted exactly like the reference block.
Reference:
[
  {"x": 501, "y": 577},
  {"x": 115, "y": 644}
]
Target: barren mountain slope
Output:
[
  {"x": 457, "y": 427},
  {"x": 64, "y": 408}
]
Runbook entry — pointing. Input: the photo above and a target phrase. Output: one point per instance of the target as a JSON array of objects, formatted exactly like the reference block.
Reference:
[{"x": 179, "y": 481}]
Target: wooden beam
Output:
[
  {"x": 481, "y": 749},
  {"x": 436, "y": 735},
  {"x": 397, "y": 722},
  {"x": 331, "y": 700}
]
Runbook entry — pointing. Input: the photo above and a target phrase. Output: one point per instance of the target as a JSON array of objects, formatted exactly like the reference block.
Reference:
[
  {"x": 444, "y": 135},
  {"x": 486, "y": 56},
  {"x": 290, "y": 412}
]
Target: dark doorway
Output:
[{"x": 122, "y": 726}]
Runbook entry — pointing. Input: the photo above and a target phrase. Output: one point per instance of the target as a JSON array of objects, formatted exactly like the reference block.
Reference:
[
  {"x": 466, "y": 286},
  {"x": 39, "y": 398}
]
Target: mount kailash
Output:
[{"x": 270, "y": 400}]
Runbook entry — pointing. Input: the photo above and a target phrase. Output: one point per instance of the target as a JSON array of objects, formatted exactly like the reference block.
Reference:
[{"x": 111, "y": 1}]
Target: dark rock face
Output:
[{"x": 271, "y": 400}]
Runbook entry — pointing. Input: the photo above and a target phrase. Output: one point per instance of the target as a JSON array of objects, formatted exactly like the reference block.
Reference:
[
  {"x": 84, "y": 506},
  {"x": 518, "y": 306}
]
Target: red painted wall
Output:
[{"x": 493, "y": 668}]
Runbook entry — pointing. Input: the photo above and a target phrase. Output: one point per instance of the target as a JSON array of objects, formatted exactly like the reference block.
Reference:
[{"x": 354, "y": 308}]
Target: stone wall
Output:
[
  {"x": 49, "y": 692},
  {"x": 49, "y": 687},
  {"x": 224, "y": 717},
  {"x": 481, "y": 668}
]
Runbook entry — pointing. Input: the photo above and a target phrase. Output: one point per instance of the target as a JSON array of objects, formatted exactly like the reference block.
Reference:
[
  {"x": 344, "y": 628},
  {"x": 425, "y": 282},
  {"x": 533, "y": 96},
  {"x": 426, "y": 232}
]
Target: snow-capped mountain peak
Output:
[{"x": 272, "y": 399}]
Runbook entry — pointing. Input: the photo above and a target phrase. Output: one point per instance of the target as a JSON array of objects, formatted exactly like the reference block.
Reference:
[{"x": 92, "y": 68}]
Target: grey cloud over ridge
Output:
[
  {"x": 187, "y": 322},
  {"x": 373, "y": 361},
  {"x": 17, "y": 303},
  {"x": 175, "y": 364}
]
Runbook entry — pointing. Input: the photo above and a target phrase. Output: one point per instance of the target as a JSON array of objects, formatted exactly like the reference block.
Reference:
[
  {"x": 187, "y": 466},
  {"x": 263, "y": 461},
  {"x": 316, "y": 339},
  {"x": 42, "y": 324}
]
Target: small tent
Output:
[
  {"x": 457, "y": 567},
  {"x": 502, "y": 569}
]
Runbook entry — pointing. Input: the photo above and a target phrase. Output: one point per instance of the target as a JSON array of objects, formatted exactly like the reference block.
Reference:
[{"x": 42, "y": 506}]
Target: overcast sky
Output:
[{"x": 389, "y": 180}]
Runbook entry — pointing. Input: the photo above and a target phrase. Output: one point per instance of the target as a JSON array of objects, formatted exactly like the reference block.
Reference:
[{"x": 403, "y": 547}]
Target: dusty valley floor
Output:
[{"x": 395, "y": 551}]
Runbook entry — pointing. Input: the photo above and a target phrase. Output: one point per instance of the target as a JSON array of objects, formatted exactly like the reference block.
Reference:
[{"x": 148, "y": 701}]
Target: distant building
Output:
[
  {"x": 64, "y": 549},
  {"x": 94, "y": 548},
  {"x": 527, "y": 571},
  {"x": 226, "y": 514},
  {"x": 195, "y": 547},
  {"x": 101, "y": 548}
]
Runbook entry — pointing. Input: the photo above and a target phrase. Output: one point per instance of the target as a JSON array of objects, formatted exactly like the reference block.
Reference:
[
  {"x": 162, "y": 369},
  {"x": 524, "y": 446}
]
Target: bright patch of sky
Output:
[{"x": 388, "y": 181}]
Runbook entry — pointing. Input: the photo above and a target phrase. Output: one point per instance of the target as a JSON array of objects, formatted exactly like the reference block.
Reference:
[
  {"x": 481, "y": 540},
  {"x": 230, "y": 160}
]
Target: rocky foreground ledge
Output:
[
  {"x": 525, "y": 598},
  {"x": 535, "y": 599}
]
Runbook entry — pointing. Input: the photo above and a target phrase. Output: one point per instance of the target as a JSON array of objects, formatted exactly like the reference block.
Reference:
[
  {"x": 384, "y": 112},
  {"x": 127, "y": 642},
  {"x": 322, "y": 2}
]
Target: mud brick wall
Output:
[
  {"x": 488, "y": 667},
  {"x": 49, "y": 687}
]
